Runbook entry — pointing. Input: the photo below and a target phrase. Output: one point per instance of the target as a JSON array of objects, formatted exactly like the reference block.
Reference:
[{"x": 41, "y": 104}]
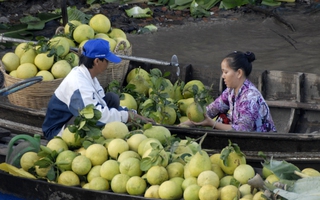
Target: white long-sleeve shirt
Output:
[{"x": 76, "y": 91}]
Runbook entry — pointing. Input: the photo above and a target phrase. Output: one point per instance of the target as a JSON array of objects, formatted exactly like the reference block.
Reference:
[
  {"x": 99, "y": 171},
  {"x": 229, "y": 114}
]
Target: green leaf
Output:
[
  {"x": 51, "y": 175},
  {"x": 228, "y": 4},
  {"x": 183, "y": 2},
  {"x": 197, "y": 10},
  {"x": 282, "y": 169},
  {"x": 224, "y": 155},
  {"x": 43, "y": 163},
  {"x": 137, "y": 12},
  {"x": 145, "y": 164},
  {"x": 87, "y": 112}
]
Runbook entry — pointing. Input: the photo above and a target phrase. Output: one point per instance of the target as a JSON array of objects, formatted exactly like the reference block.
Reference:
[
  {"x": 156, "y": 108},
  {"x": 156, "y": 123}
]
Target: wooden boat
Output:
[{"x": 292, "y": 97}]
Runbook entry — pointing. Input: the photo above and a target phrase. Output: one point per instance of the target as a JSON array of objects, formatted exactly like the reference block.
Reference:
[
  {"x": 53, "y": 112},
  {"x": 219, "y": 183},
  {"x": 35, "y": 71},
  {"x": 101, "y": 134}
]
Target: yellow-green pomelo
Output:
[
  {"x": 94, "y": 172},
  {"x": 229, "y": 192},
  {"x": 217, "y": 169},
  {"x": 11, "y": 61},
  {"x": 60, "y": 44},
  {"x": 57, "y": 144},
  {"x": 191, "y": 192},
  {"x": 26, "y": 70},
  {"x": 43, "y": 62},
  {"x": 115, "y": 129},
  {"x": 28, "y": 56},
  {"x": 258, "y": 196},
  {"x": 60, "y": 69},
  {"x": 128, "y": 154},
  {"x": 266, "y": 172},
  {"x": 233, "y": 161},
  {"x": 119, "y": 182},
  {"x": 187, "y": 91},
  {"x": 46, "y": 75},
  {"x": 72, "y": 58},
  {"x": 272, "y": 178},
  {"x": 245, "y": 189},
  {"x": 116, "y": 33},
  {"x": 109, "y": 169},
  {"x": 175, "y": 169},
  {"x": 194, "y": 146},
  {"x": 43, "y": 171},
  {"x": 13, "y": 73},
  {"x": 183, "y": 119},
  {"x": 199, "y": 162},
  {"x": 162, "y": 158},
  {"x": 21, "y": 48},
  {"x": 142, "y": 86},
  {"x": 82, "y": 44},
  {"x": 135, "y": 140},
  {"x": 160, "y": 133},
  {"x": 168, "y": 89},
  {"x": 100, "y": 23},
  {"x": 81, "y": 151},
  {"x": 195, "y": 112},
  {"x": 152, "y": 192},
  {"x": 157, "y": 175},
  {"x": 101, "y": 35},
  {"x": 177, "y": 180},
  {"x": 208, "y": 192},
  {"x": 215, "y": 158},
  {"x": 168, "y": 116},
  {"x": 247, "y": 197},
  {"x": 116, "y": 147},
  {"x": 112, "y": 43},
  {"x": 71, "y": 43},
  {"x": 138, "y": 71},
  {"x": 208, "y": 177},
  {"x": 97, "y": 153},
  {"x": 310, "y": 172},
  {"x": 243, "y": 173},
  {"x": 170, "y": 190},
  {"x": 186, "y": 172},
  {"x": 81, "y": 165},
  {"x": 131, "y": 167},
  {"x": 99, "y": 183},
  {"x": 183, "y": 149},
  {"x": 28, "y": 159},
  {"x": 69, "y": 178},
  {"x": 226, "y": 180},
  {"x": 128, "y": 101},
  {"x": 189, "y": 181},
  {"x": 85, "y": 186},
  {"x": 71, "y": 25},
  {"x": 146, "y": 144},
  {"x": 64, "y": 160},
  {"x": 136, "y": 185},
  {"x": 183, "y": 104},
  {"x": 83, "y": 32},
  {"x": 122, "y": 43},
  {"x": 70, "y": 139}
]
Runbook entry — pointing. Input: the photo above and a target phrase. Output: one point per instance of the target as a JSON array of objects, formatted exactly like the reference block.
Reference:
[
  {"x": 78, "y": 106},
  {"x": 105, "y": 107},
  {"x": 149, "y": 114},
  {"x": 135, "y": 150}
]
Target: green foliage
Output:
[{"x": 232, "y": 147}]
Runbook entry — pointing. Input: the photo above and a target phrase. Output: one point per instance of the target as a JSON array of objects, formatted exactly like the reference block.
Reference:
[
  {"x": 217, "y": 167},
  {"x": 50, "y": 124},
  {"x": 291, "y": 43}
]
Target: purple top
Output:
[{"x": 248, "y": 111}]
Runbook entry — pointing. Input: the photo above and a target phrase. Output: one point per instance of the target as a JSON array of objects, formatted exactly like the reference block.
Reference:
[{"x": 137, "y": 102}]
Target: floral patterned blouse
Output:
[{"x": 247, "y": 111}]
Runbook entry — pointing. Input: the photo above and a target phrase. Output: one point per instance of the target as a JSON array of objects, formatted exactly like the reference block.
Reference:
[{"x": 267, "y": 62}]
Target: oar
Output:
[{"x": 173, "y": 62}]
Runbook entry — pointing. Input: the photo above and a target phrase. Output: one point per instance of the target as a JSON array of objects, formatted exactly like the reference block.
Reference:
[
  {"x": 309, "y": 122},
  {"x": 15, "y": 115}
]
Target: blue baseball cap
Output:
[{"x": 99, "y": 48}]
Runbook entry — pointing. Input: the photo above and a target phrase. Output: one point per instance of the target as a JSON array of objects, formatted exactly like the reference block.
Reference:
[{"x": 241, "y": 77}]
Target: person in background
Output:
[
  {"x": 240, "y": 107},
  {"x": 81, "y": 88}
]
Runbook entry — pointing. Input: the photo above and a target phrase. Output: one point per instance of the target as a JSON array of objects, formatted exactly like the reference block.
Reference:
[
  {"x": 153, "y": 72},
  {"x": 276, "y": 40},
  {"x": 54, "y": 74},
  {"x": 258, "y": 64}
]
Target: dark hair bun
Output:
[{"x": 250, "y": 56}]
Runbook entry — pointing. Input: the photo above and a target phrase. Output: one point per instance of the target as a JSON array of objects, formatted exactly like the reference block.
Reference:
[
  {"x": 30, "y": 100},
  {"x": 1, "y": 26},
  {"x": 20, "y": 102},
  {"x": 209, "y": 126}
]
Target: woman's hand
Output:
[
  {"x": 187, "y": 123},
  {"x": 206, "y": 122},
  {"x": 133, "y": 116}
]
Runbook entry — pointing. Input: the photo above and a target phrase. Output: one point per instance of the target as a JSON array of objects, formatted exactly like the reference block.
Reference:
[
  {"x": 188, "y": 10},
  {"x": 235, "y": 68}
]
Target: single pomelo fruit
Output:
[
  {"x": 160, "y": 133},
  {"x": 226, "y": 180},
  {"x": 99, "y": 183},
  {"x": 81, "y": 165},
  {"x": 208, "y": 178},
  {"x": 229, "y": 192},
  {"x": 187, "y": 91},
  {"x": 43, "y": 62},
  {"x": 101, "y": 35},
  {"x": 136, "y": 185},
  {"x": 60, "y": 69},
  {"x": 94, "y": 172},
  {"x": 131, "y": 167},
  {"x": 83, "y": 32},
  {"x": 167, "y": 116},
  {"x": 245, "y": 189},
  {"x": 177, "y": 180},
  {"x": 70, "y": 139},
  {"x": 69, "y": 178},
  {"x": 116, "y": 147},
  {"x": 97, "y": 153},
  {"x": 138, "y": 71},
  {"x": 195, "y": 112},
  {"x": 128, "y": 101},
  {"x": 157, "y": 175},
  {"x": 46, "y": 75},
  {"x": 152, "y": 192},
  {"x": 115, "y": 129},
  {"x": 123, "y": 43},
  {"x": 72, "y": 58},
  {"x": 26, "y": 70},
  {"x": 28, "y": 159},
  {"x": 112, "y": 43},
  {"x": 135, "y": 140},
  {"x": 72, "y": 44},
  {"x": 100, "y": 23},
  {"x": 272, "y": 178},
  {"x": 13, "y": 73},
  {"x": 43, "y": 171},
  {"x": 170, "y": 190},
  {"x": 28, "y": 56},
  {"x": 146, "y": 144},
  {"x": 116, "y": 33},
  {"x": 71, "y": 25},
  {"x": 61, "y": 45},
  {"x": 57, "y": 144},
  {"x": 310, "y": 172},
  {"x": 266, "y": 172},
  {"x": 128, "y": 154},
  {"x": 11, "y": 61},
  {"x": 175, "y": 169},
  {"x": 189, "y": 181},
  {"x": 119, "y": 182},
  {"x": 199, "y": 162},
  {"x": 233, "y": 161},
  {"x": 183, "y": 104},
  {"x": 208, "y": 192},
  {"x": 243, "y": 173},
  {"x": 191, "y": 192},
  {"x": 81, "y": 151},
  {"x": 142, "y": 86},
  {"x": 64, "y": 160},
  {"x": 258, "y": 196},
  {"x": 215, "y": 158},
  {"x": 109, "y": 169},
  {"x": 21, "y": 48},
  {"x": 217, "y": 169},
  {"x": 162, "y": 156}
]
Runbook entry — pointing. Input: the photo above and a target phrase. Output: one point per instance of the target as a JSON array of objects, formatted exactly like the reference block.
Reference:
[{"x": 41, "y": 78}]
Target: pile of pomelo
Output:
[{"x": 54, "y": 58}]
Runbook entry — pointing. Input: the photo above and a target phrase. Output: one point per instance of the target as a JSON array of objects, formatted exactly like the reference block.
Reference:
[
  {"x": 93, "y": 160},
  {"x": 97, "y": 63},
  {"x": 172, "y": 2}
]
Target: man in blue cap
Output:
[{"x": 81, "y": 88}]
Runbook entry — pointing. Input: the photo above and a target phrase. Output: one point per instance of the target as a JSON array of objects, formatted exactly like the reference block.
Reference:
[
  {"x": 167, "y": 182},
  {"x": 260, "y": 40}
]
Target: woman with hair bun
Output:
[{"x": 241, "y": 102}]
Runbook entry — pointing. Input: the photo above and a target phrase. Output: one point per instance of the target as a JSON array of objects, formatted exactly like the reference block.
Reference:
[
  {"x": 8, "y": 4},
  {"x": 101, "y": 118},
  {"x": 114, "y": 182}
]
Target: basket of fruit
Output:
[{"x": 54, "y": 58}]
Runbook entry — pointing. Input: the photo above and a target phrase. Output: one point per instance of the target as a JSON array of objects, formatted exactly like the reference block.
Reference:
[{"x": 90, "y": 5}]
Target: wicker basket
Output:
[{"x": 35, "y": 96}]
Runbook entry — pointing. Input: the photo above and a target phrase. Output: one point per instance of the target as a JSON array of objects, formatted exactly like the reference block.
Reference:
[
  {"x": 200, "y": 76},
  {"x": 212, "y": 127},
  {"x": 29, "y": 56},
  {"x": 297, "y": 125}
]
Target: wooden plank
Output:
[
  {"x": 296, "y": 105},
  {"x": 22, "y": 128}
]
